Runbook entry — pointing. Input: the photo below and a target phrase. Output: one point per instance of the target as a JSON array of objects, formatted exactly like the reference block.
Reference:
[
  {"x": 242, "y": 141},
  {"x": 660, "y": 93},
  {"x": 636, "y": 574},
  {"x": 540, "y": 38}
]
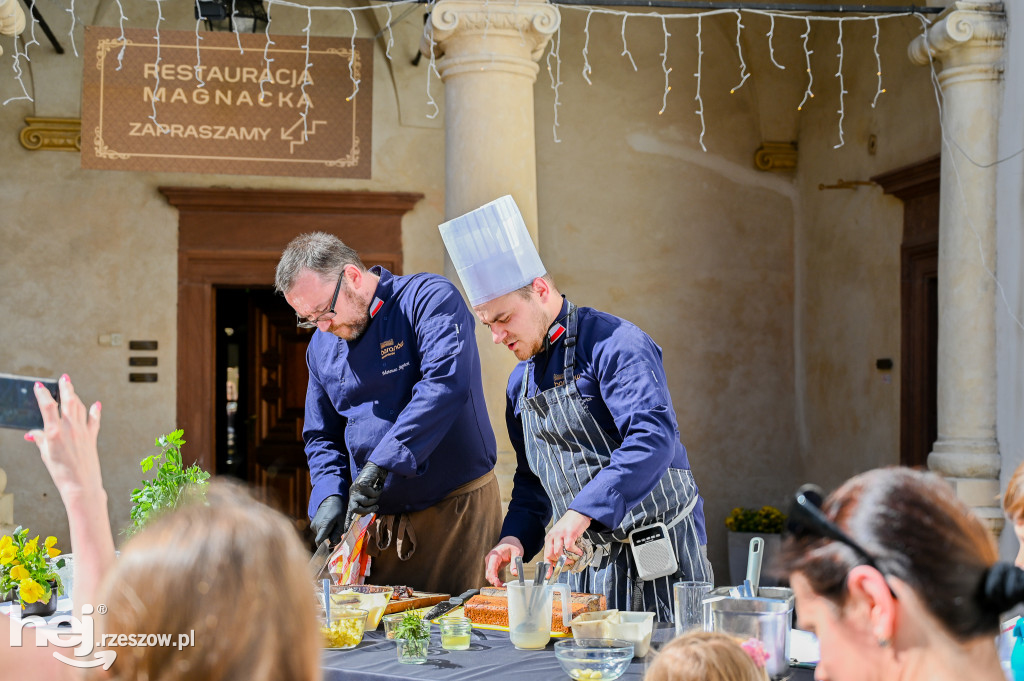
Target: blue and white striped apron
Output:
[{"x": 566, "y": 448}]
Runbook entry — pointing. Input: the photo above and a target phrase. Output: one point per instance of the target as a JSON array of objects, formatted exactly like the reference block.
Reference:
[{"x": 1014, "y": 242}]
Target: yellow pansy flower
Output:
[
  {"x": 7, "y": 554},
  {"x": 53, "y": 553},
  {"x": 30, "y": 590},
  {"x": 5, "y": 541},
  {"x": 50, "y": 542},
  {"x": 31, "y": 546},
  {"x": 18, "y": 572}
]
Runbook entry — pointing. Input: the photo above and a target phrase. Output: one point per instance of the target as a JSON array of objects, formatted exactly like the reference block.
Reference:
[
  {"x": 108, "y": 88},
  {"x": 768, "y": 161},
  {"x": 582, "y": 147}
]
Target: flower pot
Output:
[
  {"x": 40, "y": 608},
  {"x": 739, "y": 547}
]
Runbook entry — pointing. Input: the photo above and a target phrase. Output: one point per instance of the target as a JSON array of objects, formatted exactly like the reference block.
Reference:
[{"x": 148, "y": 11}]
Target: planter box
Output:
[{"x": 739, "y": 547}]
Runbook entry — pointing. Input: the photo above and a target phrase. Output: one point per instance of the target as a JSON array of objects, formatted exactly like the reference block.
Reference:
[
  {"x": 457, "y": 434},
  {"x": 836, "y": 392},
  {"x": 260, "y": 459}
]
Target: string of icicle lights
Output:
[{"x": 553, "y": 57}]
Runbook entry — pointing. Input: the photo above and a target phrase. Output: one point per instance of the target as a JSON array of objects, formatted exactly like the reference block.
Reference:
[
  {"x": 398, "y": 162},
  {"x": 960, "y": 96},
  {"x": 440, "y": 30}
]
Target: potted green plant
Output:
[
  {"x": 28, "y": 572},
  {"x": 412, "y": 637},
  {"x": 744, "y": 524},
  {"x": 172, "y": 479}
]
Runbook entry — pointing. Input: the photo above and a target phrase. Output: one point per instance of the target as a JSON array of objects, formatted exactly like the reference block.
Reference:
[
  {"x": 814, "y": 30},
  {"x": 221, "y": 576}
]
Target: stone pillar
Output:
[
  {"x": 965, "y": 44},
  {"x": 12, "y": 18},
  {"x": 487, "y": 53},
  {"x": 6, "y": 506}
]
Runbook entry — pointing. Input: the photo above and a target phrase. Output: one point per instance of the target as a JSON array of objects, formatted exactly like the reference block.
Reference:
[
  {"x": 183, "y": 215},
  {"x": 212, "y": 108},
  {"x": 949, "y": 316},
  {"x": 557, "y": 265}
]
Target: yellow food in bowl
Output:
[{"x": 345, "y": 630}]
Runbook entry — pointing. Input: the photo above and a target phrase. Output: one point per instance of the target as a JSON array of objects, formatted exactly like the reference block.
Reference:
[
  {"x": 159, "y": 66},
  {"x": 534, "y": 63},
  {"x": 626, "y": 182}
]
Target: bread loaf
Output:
[{"x": 490, "y": 606}]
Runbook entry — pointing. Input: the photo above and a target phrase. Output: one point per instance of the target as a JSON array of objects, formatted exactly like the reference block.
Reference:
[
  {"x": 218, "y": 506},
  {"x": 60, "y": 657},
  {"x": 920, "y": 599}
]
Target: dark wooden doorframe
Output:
[
  {"x": 234, "y": 237},
  {"x": 918, "y": 187}
]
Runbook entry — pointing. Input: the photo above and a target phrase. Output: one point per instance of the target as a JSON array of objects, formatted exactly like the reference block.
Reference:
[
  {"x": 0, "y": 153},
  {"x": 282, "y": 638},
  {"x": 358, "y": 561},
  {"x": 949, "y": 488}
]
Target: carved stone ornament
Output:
[
  {"x": 12, "y": 18},
  {"x": 52, "y": 134},
  {"x": 777, "y": 157},
  {"x": 978, "y": 26},
  {"x": 530, "y": 23}
]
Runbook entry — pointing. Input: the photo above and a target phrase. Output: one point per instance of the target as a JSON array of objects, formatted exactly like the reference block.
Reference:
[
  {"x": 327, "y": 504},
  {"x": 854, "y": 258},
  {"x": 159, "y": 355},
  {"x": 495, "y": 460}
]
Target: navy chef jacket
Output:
[
  {"x": 406, "y": 395},
  {"x": 621, "y": 379}
]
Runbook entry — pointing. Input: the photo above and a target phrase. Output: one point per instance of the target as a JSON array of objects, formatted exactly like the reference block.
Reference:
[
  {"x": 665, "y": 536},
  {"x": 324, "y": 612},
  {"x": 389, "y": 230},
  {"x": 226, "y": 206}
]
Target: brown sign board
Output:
[{"x": 277, "y": 108}]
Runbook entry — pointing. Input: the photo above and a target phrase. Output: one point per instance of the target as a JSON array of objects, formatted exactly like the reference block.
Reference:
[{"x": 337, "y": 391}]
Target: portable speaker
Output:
[{"x": 653, "y": 553}]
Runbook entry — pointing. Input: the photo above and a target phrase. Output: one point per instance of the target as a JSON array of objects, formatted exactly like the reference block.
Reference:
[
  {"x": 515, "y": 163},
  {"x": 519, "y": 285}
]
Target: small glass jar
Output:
[{"x": 455, "y": 632}]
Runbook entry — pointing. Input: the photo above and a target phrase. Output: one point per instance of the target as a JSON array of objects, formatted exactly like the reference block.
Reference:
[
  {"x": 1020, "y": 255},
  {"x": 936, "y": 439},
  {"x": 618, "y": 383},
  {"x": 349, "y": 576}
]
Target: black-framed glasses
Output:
[
  {"x": 304, "y": 323},
  {"x": 807, "y": 519}
]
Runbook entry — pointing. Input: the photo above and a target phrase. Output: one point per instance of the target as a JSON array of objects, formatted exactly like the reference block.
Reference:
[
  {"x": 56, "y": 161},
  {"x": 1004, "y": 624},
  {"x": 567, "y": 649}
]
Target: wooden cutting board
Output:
[{"x": 419, "y": 599}]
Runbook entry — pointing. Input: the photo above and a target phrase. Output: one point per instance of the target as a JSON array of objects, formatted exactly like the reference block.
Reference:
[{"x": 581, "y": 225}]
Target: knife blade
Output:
[
  {"x": 319, "y": 560},
  {"x": 449, "y": 605}
]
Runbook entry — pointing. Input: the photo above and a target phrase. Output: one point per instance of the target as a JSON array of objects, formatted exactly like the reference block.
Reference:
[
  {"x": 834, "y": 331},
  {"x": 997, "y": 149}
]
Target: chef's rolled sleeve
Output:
[{"x": 439, "y": 395}]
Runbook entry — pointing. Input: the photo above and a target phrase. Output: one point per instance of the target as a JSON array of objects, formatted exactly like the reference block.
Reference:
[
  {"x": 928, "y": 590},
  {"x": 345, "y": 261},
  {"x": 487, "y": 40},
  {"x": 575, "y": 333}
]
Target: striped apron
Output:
[{"x": 566, "y": 448}]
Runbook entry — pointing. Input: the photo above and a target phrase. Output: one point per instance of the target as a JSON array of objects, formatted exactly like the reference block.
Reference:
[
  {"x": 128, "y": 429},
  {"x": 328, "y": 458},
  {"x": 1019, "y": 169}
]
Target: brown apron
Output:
[{"x": 440, "y": 549}]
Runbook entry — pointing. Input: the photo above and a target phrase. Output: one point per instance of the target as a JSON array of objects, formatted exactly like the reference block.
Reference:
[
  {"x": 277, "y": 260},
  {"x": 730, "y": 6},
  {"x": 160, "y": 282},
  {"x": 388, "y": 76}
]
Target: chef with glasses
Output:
[{"x": 395, "y": 421}]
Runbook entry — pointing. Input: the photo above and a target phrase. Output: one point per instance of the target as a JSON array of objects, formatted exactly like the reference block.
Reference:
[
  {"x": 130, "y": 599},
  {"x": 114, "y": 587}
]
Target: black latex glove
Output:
[
  {"x": 328, "y": 523},
  {"x": 364, "y": 494}
]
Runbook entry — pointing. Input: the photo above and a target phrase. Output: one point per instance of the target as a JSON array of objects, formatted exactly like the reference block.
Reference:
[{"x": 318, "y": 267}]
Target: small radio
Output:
[{"x": 653, "y": 553}]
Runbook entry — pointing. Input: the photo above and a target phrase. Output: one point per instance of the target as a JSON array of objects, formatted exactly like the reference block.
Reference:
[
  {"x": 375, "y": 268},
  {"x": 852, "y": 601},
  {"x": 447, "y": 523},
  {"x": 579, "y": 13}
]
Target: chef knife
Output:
[
  {"x": 320, "y": 558},
  {"x": 449, "y": 605}
]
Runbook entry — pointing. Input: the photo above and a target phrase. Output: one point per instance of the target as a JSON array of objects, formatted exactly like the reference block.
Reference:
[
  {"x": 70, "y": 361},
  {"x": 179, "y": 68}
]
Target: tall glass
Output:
[{"x": 689, "y": 597}]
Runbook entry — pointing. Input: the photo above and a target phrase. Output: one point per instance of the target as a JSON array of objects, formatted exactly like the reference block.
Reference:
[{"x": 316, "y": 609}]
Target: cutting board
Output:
[{"x": 419, "y": 599}]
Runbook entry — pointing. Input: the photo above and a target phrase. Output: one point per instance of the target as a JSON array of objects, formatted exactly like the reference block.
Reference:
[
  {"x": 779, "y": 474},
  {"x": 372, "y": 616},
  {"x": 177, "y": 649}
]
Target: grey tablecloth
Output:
[{"x": 491, "y": 657}]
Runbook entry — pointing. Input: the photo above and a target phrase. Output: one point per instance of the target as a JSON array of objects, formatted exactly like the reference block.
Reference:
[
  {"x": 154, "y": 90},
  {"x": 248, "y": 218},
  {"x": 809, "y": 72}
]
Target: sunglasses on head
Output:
[{"x": 806, "y": 519}]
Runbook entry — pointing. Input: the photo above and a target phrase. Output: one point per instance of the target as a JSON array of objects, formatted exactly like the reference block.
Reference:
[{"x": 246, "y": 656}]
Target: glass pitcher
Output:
[{"x": 529, "y": 613}]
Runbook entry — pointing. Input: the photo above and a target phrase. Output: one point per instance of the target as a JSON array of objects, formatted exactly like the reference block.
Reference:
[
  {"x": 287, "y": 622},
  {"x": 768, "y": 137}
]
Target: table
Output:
[{"x": 491, "y": 657}]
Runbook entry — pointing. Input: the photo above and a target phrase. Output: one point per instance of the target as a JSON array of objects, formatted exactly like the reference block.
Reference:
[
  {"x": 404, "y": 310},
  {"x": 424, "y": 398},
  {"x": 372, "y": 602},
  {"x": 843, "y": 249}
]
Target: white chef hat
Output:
[{"x": 492, "y": 250}]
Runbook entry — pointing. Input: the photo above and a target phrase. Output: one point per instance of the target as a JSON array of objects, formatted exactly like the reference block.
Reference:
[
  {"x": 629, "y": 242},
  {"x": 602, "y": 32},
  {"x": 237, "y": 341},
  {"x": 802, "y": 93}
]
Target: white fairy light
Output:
[
  {"x": 555, "y": 75},
  {"x": 234, "y": 28},
  {"x": 432, "y": 68},
  {"x": 71, "y": 31},
  {"x": 665, "y": 67},
  {"x": 771, "y": 48},
  {"x": 739, "y": 51},
  {"x": 700, "y": 102},
  {"x": 810, "y": 75},
  {"x": 267, "y": 59},
  {"x": 32, "y": 28},
  {"x": 121, "y": 39},
  {"x": 625, "y": 48},
  {"x": 16, "y": 67},
  {"x": 199, "y": 66},
  {"x": 878, "y": 61},
  {"x": 842, "y": 88},
  {"x": 156, "y": 69},
  {"x": 391, "y": 33},
  {"x": 305, "y": 72},
  {"x": 352, "y": 58},
  {"x": 586, "y": 44}
]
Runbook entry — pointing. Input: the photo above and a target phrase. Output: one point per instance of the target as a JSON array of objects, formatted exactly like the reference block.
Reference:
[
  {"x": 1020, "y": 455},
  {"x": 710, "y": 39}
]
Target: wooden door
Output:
[
  {"x": 277, "y": 382},
  {"x": 234, "y": 238},
  {"x": 918, "y": 187}
]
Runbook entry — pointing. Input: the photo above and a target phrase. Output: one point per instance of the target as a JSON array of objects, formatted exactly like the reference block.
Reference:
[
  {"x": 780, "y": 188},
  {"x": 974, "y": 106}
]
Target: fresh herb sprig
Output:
[
  {"x": 172, "y": 478},
  {"x": 416, "y": 633}
]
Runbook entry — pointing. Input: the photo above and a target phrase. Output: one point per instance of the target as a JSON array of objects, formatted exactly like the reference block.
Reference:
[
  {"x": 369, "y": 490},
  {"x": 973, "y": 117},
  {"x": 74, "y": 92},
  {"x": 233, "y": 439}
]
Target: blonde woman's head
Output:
[
  {"x": 231, "y": 573},
  {"x": 704, "y": 656}
]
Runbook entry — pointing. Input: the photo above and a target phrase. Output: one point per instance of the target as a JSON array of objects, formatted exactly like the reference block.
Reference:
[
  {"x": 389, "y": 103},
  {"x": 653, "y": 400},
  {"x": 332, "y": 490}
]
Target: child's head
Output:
[
  {"x": 1013, "y": 507},
  {"x": 704, "y": 656}
]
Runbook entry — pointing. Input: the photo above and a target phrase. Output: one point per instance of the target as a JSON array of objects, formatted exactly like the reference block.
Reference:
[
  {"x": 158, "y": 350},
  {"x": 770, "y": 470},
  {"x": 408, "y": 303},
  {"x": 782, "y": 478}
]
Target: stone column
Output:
[
  {"x": 12, "y": 18},
  {"x": 965, "y": 46},
  {"x": 6, "y": 506},
  {"x": 487, "y": 53}
]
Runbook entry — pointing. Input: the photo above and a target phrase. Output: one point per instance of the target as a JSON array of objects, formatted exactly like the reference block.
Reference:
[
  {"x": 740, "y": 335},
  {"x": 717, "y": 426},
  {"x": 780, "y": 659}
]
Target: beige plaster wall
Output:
[
  {"x": 848, "y": 249},
  {"x": 85, "y": 252}
]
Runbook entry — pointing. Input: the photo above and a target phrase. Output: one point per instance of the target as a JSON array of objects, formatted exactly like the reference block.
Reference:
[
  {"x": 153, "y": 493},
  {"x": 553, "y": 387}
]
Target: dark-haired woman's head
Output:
[{"x": 932, "y": 553}]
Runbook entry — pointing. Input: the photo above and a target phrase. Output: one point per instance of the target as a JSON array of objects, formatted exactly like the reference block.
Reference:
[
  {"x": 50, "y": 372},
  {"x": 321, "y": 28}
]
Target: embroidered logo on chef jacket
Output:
[
  {"x": 388, "y": 348},
  {"x": 375, "y": 307},
  {"x": 560, "y": 380},
  {"x": 555, "y": 332}
]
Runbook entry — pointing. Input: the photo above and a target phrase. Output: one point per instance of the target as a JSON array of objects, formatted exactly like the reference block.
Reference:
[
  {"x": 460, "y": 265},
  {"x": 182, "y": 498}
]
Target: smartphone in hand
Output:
[{"x": 18, "y": 406}]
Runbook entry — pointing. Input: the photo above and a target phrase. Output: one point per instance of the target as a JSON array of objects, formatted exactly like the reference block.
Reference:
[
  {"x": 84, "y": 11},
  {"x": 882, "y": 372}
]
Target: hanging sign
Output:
[{"x": 237, "y": 104}]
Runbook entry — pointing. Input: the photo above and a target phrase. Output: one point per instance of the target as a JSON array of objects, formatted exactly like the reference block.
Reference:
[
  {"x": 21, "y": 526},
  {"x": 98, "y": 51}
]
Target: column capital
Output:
[
  {"x": 490, "y": 35},
  {"x": 964, "y": 24}
]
